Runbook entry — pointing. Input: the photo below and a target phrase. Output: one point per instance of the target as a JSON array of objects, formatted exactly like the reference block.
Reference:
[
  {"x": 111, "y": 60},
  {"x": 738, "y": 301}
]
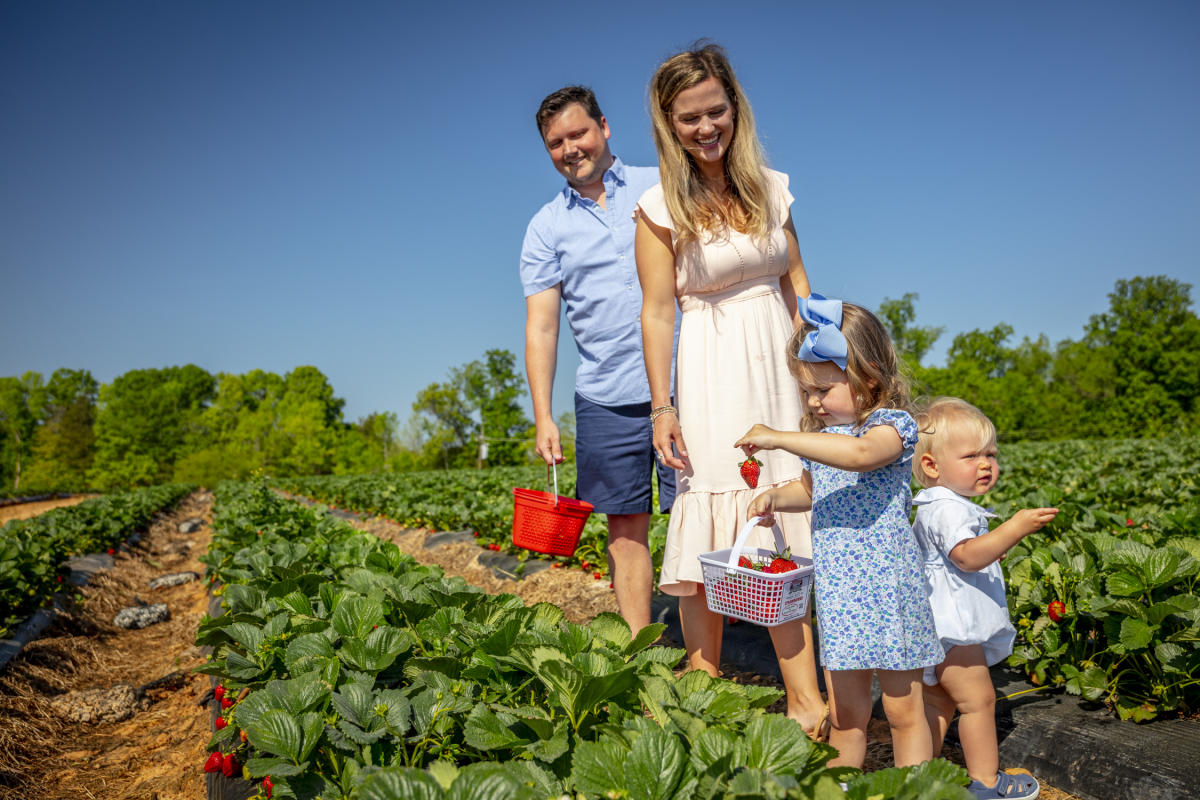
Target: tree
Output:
[
  {"x": 912, "y": 342},
  {"x": 144, "y": 422},
  {"x": 21, "y": 401},
  {"x": 65, "y": 442},
  {"x": 479, "y": 401}
]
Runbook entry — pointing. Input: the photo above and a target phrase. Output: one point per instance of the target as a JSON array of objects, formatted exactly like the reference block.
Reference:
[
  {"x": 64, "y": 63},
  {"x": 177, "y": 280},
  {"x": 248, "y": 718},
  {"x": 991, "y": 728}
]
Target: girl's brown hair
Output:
[
  {"x": 747, "y": 204},
  {"x": 872, "y": 367}
]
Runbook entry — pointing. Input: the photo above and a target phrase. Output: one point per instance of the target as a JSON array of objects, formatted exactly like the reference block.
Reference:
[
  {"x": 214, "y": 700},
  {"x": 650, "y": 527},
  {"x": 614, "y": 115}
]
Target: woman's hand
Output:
[
  {"x": 667, "y": 433},
  {"x": 760, "y": 437}
]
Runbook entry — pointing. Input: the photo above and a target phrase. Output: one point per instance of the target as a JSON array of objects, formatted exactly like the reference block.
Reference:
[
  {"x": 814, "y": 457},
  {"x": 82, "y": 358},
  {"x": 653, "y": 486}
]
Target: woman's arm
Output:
[
  {"x": 795, "y": 283},
  {"x": 972, "y": 555},
  {"x": 876, "y": 448},
  {"x": 656, "y": 272}
]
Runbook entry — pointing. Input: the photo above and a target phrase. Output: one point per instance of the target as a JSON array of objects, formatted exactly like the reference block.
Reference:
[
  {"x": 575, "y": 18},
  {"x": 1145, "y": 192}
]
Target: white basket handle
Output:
[
  {"x": 744, "y": 534},
  {"x": 552, "y": 469}
]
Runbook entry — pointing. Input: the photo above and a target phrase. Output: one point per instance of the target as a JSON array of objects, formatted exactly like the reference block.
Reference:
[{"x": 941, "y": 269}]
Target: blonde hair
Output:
[
  {"x": 746, "y": 205},
  {"x": 872, "y": 368},
  {"x": 939, "y": 417}
]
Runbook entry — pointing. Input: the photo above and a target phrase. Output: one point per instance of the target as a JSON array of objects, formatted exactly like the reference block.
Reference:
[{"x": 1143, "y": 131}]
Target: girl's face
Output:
[
  {"x": 829, "y": 395},
  {"x": 702, "y": 118}
]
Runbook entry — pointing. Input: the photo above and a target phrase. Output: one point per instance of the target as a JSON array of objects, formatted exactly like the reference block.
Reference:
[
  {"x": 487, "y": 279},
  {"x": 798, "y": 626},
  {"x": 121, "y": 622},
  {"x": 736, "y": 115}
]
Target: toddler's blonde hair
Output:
[
  {"x": 872, "y": 368},
  {"x": 939, "y": 417}
]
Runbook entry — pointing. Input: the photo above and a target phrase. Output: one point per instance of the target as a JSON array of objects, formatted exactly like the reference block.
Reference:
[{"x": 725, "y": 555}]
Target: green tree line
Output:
[
  {"x": 184, "y": 424},
  {"x": 1135, "y": 372}
]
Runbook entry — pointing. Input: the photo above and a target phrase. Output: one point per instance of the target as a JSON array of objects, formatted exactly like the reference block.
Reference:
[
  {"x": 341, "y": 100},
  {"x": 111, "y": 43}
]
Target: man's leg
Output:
[{"x": 629, "y": 561}]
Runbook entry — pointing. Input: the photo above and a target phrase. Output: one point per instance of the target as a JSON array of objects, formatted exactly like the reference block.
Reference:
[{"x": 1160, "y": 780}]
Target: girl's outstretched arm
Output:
[
  {"x": 876, "y": 448},
  {"x": 972, "y": 555}
]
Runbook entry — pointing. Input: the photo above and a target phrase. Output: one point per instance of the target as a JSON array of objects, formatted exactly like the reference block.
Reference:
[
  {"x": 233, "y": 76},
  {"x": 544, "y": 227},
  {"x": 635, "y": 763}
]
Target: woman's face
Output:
[{"x": 702, "y": 117}]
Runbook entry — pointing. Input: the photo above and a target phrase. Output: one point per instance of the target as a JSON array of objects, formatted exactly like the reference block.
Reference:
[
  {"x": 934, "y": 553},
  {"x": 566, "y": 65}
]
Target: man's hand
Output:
[{"x": 549, "y": 447}]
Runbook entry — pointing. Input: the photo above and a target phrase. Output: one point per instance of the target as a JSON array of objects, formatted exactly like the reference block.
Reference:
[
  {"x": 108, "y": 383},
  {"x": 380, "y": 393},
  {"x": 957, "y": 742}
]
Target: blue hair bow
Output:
[{"x": 826, "y": 343}]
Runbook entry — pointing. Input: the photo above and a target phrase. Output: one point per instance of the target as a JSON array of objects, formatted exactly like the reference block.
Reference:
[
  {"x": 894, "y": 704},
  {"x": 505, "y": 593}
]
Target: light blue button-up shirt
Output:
[{"x": 589, "y": 250}]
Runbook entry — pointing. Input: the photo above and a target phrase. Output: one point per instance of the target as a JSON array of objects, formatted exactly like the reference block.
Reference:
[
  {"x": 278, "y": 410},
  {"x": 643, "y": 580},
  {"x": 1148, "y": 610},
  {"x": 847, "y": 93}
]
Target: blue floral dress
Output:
[{"x": 872, "y": 609}]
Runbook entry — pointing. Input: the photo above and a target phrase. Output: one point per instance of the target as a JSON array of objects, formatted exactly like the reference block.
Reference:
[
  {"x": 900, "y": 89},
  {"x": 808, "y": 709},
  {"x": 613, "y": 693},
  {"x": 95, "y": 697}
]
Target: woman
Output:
[{"x": 716, "y": 234}]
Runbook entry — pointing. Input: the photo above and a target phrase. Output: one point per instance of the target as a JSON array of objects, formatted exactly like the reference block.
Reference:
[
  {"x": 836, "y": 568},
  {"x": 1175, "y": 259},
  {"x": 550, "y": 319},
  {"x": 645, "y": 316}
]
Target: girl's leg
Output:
[
  {"x": 794, "y": 647},
  {"x": 939, "y": 713},
  {"x": 904, "y": 705},
  {"x": 964, "y": 676},
  {"x": 849, "y": 713},
  {"x": 701, "y": 632}
]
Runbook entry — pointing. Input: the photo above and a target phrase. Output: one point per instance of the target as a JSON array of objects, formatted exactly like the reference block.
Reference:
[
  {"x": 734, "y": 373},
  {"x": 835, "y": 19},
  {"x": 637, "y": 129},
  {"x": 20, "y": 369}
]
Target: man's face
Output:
[{"x": 578, "y": 146}]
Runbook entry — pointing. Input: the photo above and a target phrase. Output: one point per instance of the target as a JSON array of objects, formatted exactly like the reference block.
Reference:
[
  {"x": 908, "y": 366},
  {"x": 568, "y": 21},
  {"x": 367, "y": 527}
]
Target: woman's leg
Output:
[
  {"x": 797, "y": 663},
  {"x": 904, "y": 705},
  {"x": 701, "y": 632},
  {"x": 965, "y": 678},
  {"x": 849, "y": 713}
]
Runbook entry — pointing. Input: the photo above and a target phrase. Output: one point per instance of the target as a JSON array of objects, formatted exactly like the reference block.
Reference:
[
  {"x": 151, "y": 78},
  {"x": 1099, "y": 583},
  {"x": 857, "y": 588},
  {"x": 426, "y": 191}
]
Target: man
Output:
[{"x": 579, "y": 249}]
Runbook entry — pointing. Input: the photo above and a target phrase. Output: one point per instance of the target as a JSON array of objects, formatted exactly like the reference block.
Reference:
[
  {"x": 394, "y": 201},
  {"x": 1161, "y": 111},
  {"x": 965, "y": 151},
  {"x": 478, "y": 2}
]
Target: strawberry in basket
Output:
[{"x": 781, "y": 562}]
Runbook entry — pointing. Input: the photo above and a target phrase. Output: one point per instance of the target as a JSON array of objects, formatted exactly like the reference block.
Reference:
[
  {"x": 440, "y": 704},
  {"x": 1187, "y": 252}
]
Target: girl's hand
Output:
[
  {"x": 667, "y": 433},
  {"x": 760, "y": 437},
  {"x": 763, "y": 506}
]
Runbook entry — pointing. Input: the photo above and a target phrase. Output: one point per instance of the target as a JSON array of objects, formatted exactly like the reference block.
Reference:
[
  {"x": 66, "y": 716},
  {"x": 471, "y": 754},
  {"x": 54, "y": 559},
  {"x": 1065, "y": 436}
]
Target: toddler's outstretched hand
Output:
[
  {"x": 1031, "y": 520},
  {"x": 760, "y": 437}
]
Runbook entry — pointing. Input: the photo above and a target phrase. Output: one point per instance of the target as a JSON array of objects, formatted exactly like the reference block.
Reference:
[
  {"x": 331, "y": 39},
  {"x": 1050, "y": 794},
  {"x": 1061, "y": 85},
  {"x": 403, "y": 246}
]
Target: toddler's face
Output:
[
  {"x": 964, "y": 465},
  {"x": 828, "y": 394}
]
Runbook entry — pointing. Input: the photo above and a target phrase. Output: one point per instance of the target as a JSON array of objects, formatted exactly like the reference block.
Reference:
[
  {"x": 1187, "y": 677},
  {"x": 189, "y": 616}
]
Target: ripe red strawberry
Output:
[
  {"x": 750, "y": 468},
  {"x": 220, "y": 723},
  {"x": 226, "y": 702},
  {"x": 583, "y": 565},
  {"x": 781, "y": 562},
  {"x": 219, "y": 692},
  {"x": 213, "y": 764},
  {"x": 230, "y": 765},
  {"x": 745, "y": 562},
  {"x": 1056, "y": 610},
  {"x": 597, "y": 575},
  {"x": 267, "y": 785}
]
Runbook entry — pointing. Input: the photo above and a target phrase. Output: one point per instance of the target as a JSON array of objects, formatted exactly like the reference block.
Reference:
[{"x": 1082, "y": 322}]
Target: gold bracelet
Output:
[{"x": 658, "y": 412}]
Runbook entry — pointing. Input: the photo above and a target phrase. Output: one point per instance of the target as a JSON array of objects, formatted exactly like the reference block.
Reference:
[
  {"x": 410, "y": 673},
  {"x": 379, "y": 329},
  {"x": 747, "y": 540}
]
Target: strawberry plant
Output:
[{"x": 363, "y": 674}]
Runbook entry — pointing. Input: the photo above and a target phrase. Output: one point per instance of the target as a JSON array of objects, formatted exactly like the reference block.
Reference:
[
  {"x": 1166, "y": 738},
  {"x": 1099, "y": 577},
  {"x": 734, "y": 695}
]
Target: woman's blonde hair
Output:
[
  {"x": 872, "y": 368},
  {"x": 937, "y": 418},
  {"x": 747, "y": 204}
]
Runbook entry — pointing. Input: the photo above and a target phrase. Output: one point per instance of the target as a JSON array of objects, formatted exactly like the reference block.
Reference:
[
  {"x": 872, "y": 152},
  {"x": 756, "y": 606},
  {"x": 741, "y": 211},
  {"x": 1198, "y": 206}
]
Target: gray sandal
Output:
[{"x": 1008, "y": 787}]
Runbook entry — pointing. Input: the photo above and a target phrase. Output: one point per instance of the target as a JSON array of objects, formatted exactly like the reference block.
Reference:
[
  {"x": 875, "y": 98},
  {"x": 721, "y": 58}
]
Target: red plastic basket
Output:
[{"x": 548, "y": 523}]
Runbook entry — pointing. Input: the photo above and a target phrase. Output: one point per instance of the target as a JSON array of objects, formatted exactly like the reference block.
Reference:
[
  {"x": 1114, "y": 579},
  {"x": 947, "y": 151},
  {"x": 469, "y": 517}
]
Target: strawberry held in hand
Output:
[{"x": 749, "y": 469}]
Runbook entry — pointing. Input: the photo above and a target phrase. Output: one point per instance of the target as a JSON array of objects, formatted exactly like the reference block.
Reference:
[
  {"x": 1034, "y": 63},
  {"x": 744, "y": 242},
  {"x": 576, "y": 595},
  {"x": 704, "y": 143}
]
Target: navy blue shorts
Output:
[{"x": 614, "y": 458}]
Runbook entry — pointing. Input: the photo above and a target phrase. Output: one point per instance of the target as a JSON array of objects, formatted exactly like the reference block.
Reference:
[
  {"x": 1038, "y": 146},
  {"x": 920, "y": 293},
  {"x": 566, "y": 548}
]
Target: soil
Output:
[
  {"x": 158, "y": 752},
  {"x": 27, "y": 510}
]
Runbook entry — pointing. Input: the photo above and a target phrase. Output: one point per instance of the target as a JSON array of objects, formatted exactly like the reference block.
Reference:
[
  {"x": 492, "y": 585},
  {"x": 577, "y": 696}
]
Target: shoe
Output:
[
  {"x": 820, "y": 731},
  {"x": 1008, "y": 787}
]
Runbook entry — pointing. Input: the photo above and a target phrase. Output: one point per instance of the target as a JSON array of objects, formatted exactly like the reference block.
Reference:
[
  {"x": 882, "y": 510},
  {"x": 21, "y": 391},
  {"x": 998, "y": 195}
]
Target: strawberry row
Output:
[
  {"x": 348, "y": 670},
  {"x": 33, "y": 552}
]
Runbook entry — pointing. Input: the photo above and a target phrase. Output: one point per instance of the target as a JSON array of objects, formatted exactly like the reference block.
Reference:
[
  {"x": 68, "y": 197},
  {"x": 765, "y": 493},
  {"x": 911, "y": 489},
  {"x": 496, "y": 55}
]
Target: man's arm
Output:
[{"x": 541, "y": 357}]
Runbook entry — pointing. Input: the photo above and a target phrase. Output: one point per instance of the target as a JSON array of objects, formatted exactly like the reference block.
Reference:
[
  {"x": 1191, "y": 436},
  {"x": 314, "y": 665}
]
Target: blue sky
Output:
[{"x": 245, "y": 185}]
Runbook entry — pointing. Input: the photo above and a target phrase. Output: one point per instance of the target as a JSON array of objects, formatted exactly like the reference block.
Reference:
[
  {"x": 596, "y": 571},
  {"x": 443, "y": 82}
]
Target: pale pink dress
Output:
[{"x": 731, "y": 372}]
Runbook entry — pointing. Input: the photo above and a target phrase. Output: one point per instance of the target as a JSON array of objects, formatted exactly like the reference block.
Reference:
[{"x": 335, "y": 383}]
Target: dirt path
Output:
[
  {"x": 156, "y": 753},
  {"x": 27, "y": 510}
]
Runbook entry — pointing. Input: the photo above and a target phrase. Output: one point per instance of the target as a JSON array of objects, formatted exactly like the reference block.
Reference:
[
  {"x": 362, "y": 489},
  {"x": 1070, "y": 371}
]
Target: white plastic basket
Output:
[{"x": 760, "y": 597}]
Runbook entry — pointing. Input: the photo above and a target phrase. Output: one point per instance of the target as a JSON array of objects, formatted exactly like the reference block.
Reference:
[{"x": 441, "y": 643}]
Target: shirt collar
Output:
[
  {"x": 934, "y": 493},
  {"x": 615, "y": 175}
]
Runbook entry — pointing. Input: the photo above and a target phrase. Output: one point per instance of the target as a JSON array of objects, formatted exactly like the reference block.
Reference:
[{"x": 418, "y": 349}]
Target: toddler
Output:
[
  {"x": 856, "y": 442},
  {"x": 956, "y": 460}
]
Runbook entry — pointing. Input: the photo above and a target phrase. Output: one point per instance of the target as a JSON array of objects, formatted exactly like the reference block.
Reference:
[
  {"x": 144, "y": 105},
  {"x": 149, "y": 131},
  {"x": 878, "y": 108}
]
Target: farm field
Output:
[
  {"x": 158, "y": 751},
  {"x": 28, "y": 510}
]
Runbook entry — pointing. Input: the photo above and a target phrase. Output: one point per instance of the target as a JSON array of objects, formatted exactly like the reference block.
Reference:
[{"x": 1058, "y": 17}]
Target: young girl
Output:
[
  {"x": 873, "y": 615},
  {"x": 956, "y": 459}
]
